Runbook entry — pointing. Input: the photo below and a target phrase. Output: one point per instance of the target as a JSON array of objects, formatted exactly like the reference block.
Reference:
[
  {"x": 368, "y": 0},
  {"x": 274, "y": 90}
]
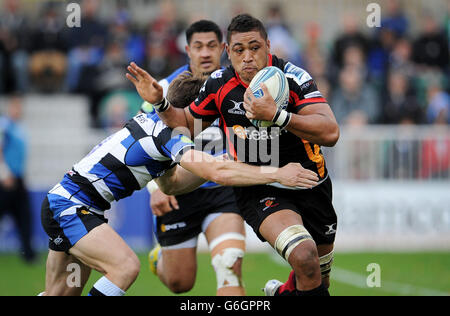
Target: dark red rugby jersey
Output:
[{"x": 222, "y": 97}]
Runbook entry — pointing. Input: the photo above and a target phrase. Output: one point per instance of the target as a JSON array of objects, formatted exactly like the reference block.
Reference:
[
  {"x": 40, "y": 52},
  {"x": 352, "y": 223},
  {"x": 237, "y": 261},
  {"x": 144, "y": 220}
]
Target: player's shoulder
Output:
[
  {"x": 299, "y": 75},
  {"x": 219, "y": 77},
  {"x": 293, "y": 72},
  {"x": 144, "y": 125}
]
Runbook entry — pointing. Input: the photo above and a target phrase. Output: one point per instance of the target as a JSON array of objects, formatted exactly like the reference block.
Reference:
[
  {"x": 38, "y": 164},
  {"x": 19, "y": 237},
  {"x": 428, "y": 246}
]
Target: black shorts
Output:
[
  {"x": 63, "y": 230},
  {"x": 314, "y": 206},
  {"x": 185, "y": 223}
]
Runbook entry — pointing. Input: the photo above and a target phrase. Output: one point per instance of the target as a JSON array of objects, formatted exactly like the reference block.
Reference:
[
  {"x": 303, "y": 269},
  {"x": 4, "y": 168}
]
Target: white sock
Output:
[{"x": 107, "y": 288}]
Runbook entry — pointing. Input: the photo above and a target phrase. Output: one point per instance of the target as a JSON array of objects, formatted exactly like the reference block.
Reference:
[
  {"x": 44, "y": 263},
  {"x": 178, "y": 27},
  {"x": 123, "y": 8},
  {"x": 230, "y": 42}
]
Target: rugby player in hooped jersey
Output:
[
  {"x": 73, "y": 211},
  {"x": 300, "y": 224}
]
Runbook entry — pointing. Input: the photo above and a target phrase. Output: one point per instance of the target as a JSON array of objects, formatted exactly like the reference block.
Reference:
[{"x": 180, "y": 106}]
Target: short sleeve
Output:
[
  {"x": 205, "y": 107},
  {"x": 303, "y": 89},
  {"x": 174, "y": 145}
]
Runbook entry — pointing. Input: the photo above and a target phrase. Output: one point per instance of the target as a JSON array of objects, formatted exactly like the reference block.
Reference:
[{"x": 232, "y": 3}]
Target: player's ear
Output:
[
  {"x": 222, "y": 47},
  {"x": 188, "y": 50},
  {"x": 268, "y": 45},
  {"x": 227, "y": 47}
]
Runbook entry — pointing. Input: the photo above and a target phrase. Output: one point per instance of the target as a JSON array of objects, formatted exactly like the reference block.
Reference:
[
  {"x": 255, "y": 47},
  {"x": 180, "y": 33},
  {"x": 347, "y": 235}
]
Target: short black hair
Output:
[
  {"x": 243, "y": 23},
  {"x": 203, "y": 26}
]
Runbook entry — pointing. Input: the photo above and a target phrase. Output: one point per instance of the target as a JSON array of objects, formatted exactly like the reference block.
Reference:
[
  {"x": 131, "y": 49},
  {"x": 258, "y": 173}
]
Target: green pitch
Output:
[{"x": 399, "y": 274}]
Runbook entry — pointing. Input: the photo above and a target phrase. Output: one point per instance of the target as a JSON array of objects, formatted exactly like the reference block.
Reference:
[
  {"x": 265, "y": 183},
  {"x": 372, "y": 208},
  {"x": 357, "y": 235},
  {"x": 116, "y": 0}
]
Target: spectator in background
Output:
[
  {"x": 48, "y": 49},
  {"x": 121, "y": 29},
  {"x": 351, "y": 37},
  {"x": 282, "y": 43},
  {"x": 163, "y": 53},
  {"x": 401, "y": 58},
  {"x": 116, "y": 113},
  {"x": 13, "y": 192},
  {"x": 395, "y": 18},
  {"x": 354, "y": 102},
  {"x": 111, "y": 68},
  {"x": 400, "y": 105},
  {"x": 86, "y": 46},
  {"x": 86, "y": 50},
  {"x": 378, "y": 58},
  {"x": 14, "y": 29},
  {"x": 431, "y": 48},
  {"x": 438, "y": 109}
]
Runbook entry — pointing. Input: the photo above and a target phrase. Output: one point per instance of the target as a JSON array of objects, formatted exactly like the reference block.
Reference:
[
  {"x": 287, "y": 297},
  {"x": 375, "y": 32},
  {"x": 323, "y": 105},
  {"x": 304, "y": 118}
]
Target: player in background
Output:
[
  {"x": 211, "y": 209},
  {"x": 299, "y": 224},
  {"x": 73, "y": 211}
]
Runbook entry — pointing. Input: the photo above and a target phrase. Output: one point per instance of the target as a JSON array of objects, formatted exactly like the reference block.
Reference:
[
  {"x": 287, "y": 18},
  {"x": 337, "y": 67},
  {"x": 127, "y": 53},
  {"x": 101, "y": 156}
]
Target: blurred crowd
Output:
[{"x": 386, "y": 75}]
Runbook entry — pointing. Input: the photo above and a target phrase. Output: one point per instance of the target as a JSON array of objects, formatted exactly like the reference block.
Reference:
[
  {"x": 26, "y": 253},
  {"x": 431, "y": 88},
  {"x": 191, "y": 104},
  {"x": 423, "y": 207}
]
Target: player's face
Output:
[
  {"x": 205, "y": 51},
  {"x": 248, "y": 53}
]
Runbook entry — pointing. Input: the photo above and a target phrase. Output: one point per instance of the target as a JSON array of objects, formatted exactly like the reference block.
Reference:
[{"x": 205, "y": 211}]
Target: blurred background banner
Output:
[{"x": 388, "y": 87}]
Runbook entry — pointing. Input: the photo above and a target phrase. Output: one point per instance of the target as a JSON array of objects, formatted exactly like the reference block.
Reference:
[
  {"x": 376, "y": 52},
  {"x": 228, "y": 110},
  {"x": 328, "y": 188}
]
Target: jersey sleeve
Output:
[
  {"x": 173, "y": 145},
  {"x": 303, "y": 90},
  {"x": 205, "y": 107}
]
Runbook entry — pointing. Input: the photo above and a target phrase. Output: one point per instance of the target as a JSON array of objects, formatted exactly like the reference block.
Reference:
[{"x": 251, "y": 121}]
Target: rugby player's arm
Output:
[
  {"x": 315, "y": 123},
  {"x": 178, "y": 181},
  {"x": 233, "y": 173}
]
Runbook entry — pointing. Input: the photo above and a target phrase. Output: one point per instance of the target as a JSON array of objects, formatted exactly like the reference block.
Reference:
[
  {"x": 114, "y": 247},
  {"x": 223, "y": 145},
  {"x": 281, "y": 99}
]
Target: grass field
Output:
[{"x": 400, "y": 274}]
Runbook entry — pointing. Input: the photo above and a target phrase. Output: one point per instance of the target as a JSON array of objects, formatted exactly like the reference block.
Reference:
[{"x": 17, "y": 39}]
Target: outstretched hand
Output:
[{"x": 147, "y": 86}]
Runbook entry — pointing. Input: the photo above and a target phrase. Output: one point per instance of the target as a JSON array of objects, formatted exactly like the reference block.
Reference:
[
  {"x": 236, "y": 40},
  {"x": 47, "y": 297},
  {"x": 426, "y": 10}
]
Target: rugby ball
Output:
[{"x": 277, "y": 84}]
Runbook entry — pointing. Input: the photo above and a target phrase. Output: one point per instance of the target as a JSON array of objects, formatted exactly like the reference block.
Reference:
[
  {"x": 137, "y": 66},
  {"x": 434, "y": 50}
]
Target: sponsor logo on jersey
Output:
[
  {"x": 165, "y": 228},
  {"x": 252, "y": 133},
  {"x": 84, "y": 212}
]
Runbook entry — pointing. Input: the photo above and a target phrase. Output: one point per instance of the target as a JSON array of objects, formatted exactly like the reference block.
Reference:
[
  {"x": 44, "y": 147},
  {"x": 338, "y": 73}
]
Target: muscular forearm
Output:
[
  {"x": 234, "y": 173},
  {"x": 319, "y": 128},
  {"x": 178, "y": 182},
  {"x": 228, "y": 173}
]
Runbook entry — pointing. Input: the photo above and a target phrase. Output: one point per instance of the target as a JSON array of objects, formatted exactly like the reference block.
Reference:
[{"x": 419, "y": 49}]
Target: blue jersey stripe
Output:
[
  {"x": 110, "y": 179},
  {"x": 79, "y": 194}
]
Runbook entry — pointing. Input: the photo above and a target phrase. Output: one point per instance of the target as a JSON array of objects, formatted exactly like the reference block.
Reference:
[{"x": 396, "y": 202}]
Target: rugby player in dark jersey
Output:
[
  {"x": 300, "y": 224},
  {"x": 210, "y": 209}
]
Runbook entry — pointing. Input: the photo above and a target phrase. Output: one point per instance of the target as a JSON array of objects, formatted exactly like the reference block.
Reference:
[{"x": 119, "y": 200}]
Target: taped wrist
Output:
[
  {"x": 152, "y": 186},
  {"x": 282, "y": 118},
  {"x": 162, "y": 106}
]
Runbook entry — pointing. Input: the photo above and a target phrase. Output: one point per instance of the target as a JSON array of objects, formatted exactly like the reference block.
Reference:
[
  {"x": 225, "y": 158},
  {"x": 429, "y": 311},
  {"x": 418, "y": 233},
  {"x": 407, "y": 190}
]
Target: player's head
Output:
[
  {"x": 204, "y": 46},
  {"x": 248, "y": 47},
  {"x": 184, "y": 89}
]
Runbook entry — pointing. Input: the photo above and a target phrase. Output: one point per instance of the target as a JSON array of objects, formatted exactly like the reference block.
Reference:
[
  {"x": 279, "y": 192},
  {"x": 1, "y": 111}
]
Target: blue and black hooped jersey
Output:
[{"x": 124, "y": 162}]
